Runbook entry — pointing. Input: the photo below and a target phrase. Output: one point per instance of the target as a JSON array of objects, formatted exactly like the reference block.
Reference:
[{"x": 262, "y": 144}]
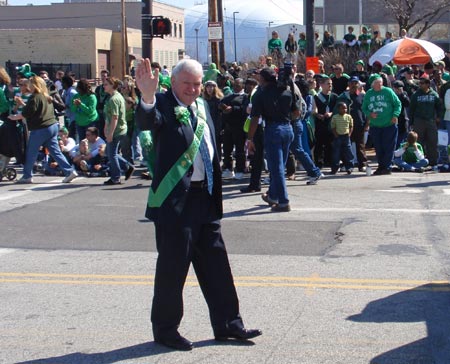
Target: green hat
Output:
[
  {"x": 360, "y": 61},
  {"x": 25, "y": 69},
  {"x": 373, "y": 77}
]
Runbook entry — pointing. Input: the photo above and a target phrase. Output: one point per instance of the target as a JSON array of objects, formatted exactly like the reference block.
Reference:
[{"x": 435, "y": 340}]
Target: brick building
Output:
[{"x": 84, "y": 33}]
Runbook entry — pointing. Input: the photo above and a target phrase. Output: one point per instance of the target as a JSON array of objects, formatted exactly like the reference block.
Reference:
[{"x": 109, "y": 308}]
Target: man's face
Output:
[
  {"x": 326, "y": 85},
  {"x": 103, "y": 76},
  {"x": 424, "y": 85},
  {"x": 187, "y": 87},
  {"x": 353, "y": 86},
  {"x": 90, "y": 137},
  {"x": 377, "y": 84}
]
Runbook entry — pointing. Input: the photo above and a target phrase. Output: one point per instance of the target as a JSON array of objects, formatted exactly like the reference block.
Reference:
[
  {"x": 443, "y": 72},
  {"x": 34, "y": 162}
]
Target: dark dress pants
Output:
[
  {"x": 257, "y": 159},
  {"x": 234, "y": 137},
  {"x": 197, "y": 239}
]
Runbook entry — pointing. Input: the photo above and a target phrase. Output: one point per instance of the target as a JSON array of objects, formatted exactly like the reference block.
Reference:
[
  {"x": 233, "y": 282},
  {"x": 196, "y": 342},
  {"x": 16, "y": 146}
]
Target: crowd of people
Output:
[
  {"x": 70, "y": 126},
  {"x": 266, "y": 118}
]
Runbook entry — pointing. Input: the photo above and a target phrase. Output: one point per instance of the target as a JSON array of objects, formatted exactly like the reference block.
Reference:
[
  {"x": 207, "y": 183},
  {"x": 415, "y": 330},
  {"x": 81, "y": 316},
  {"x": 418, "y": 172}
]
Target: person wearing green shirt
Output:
[
  {"x": 4, "y": 105},
  {"x": 84, "y": 108},
  {"x": 302, "y": 43},
  {"x": 382, "y": 108},
  {"x": 275, "y": 43},
  {"x": 364, "y": 41},
  {"x": 115, "y": 131},
  {"x": 409, "y": 157}
]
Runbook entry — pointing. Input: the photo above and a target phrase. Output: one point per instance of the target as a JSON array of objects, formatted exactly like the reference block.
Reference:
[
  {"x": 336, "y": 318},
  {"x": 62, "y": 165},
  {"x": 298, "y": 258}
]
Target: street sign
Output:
[{"x": 215, "y": 31}]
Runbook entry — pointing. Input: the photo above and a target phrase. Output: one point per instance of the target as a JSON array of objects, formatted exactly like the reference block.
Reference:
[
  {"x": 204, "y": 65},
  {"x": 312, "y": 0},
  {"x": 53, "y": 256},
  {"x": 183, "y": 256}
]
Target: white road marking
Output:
[
  {"x": 406, "y": 190},
  {"x": 4, "y": 251},
  {"x": 11, "y": 195}
]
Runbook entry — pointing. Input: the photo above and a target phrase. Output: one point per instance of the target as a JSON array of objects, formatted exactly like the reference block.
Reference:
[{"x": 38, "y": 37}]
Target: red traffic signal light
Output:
[{"x": 161, "y": 26}]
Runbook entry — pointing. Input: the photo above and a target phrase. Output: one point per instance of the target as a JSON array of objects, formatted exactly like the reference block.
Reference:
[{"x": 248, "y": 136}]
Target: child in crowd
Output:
[
  {"x": 409, "y": 157},
  {"x": 342, "y": 128}
]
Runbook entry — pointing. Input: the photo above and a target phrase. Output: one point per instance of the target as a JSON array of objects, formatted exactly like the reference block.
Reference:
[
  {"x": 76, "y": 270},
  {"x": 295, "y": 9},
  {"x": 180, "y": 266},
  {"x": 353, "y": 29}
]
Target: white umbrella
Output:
[{"x": 408, "y": 51}]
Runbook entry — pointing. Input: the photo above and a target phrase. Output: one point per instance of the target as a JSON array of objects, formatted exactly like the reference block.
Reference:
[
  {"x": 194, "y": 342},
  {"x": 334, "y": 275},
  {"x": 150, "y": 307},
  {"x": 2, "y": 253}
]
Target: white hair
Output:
[{"x": 188, "y": 65}]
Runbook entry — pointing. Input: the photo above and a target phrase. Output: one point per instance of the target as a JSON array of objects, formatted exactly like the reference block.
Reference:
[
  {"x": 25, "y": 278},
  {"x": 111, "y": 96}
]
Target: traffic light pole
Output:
[
  {"x": 146, "y": 18},
  {"x": 309, "y": 20}
]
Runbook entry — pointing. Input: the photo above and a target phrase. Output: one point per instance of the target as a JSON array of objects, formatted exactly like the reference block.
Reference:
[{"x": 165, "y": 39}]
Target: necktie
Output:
[{"x": 204, "y": 152}]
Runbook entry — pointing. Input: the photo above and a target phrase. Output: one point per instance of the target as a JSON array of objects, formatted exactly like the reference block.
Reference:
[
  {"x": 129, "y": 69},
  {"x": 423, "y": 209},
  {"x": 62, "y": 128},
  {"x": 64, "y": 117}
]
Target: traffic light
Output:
[{"x": 161, "y": 26}]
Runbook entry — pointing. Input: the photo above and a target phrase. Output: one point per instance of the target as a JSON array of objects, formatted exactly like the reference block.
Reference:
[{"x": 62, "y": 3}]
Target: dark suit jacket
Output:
[{"x": 171, "y": 139}]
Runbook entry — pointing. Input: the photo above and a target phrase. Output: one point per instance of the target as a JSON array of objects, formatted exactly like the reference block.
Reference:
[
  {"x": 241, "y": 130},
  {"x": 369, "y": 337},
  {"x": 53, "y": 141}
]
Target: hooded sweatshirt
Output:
[
  {"x": 211, "y": 74},
  {"x": 425, "y": 105}
]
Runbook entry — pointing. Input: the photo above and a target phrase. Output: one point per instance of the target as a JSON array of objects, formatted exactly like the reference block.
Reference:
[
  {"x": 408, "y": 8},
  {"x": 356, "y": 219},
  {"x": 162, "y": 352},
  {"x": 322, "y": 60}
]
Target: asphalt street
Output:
[{"x": 357, "y": 272}]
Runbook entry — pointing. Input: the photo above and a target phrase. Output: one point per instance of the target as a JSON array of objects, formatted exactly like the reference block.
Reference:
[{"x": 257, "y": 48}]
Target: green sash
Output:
[{"x": 182, "y": 165}]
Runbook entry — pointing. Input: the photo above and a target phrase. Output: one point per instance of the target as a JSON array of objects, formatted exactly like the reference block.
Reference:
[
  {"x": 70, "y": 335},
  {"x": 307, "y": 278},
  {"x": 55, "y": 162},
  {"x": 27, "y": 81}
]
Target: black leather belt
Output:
[{"x": 198, "y": 185}]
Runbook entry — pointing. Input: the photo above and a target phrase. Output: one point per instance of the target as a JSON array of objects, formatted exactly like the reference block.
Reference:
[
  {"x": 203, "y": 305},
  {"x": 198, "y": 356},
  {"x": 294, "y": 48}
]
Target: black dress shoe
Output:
[
  {"x": 111, "y": 182},
  {"x": 250, "y": 189},
  {"x": 177, "y": 343},
  {"x": 129, "y": 173},
  {"x": 238, "y": 334}
]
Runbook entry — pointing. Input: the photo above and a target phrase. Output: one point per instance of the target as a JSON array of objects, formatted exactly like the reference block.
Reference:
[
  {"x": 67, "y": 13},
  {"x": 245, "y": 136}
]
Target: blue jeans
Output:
[
  {"x": 399, "y": 162},
  {"x": 342, "y": 149},
  {"x": 305, "y": 138},
  {"x": 47, "y": 137},
  {"x": 446, "y": 125},
  {"x": 300, "y": 154},
  {"x": 115, "y": 159},
  {"x": 384, "y": 140},
  {"x": 277, "y": 139}
]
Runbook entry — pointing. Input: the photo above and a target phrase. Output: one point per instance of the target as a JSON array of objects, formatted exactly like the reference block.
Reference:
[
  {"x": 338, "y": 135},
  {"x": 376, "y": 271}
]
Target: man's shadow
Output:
[
  {"x": 143, "y": 350},
  {"x": 429, "y": 303}
]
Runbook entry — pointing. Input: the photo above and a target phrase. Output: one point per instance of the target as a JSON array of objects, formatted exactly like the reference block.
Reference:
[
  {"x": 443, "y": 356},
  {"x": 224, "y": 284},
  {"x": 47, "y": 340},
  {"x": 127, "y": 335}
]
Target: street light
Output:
[
  {"x": 196, "y": 42},
  {"x": 234, "y": 32},
  {"x": 270, "y": 23}
]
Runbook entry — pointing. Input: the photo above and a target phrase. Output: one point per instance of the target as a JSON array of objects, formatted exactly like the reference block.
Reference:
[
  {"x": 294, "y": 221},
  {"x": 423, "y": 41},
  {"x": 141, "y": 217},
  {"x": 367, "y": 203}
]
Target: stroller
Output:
[{"x": 13, "y": 140}]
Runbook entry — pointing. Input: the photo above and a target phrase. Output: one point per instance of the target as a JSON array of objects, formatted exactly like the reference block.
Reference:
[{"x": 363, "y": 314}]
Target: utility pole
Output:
[
  {"x": 234, "y": 34},
  {"x": 146, "y": 15},
  {"x": 220, "y": 19},
  {"x": 212, "y": 17},
  {"x": 309, "y": 21},
  {"x": 124, "y": 45}
]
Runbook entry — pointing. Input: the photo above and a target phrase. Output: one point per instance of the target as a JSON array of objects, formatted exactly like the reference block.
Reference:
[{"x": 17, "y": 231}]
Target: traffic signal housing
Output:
[{"x": 161, "y": 27}]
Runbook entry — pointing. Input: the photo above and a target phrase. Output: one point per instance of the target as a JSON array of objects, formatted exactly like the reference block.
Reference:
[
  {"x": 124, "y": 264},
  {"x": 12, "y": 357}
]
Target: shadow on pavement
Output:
[
  {"x": 429, "y": 303},
  {"x": 147, "y": 349}
]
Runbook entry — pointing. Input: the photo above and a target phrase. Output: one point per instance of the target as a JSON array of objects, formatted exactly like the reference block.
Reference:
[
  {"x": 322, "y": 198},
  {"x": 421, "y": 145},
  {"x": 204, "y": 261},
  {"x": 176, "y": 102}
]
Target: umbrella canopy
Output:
[{"x": 408, "y": 51}]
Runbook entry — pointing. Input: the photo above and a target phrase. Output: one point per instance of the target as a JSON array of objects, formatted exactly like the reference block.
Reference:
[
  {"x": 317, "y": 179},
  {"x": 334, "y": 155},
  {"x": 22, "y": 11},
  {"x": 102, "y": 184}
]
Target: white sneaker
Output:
[
  {"x": 70, "y": 177},
  {"x": 239, "y": 175},
  {"x": 24, "y": 181},
  {"x": 314, "y": 180},
  {"x": 227, "y": 174}
]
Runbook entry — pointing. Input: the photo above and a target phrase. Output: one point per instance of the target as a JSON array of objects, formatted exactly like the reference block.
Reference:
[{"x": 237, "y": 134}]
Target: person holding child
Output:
[
  {"x": 342, "y": 128},
  {"x": 410, "y": 157}
]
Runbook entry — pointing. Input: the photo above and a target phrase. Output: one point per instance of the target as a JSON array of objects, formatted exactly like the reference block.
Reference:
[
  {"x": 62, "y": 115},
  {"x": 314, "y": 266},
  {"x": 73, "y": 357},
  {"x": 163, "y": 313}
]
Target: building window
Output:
[
  {"x": 181, "y": 31},
  {"x": 174, "y": 29}
]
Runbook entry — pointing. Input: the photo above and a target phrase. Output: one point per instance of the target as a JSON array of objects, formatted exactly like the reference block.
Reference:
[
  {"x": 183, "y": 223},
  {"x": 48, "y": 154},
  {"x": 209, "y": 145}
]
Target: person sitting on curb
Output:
[
  {"x": 409, "y": 157},
  {"x": 86, "y": 160}
]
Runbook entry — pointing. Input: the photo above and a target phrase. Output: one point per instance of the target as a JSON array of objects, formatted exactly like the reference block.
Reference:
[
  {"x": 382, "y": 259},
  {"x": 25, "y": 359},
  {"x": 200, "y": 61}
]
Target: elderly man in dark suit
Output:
[{"x": 185, "y": 203}]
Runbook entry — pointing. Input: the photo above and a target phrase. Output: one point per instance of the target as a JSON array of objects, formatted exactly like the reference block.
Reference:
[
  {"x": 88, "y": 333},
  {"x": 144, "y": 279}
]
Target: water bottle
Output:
[{"x": 368, "y": 171}]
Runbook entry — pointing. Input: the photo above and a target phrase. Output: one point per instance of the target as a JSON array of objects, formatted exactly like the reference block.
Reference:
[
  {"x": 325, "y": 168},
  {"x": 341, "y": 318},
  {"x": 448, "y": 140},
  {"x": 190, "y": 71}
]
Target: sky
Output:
[{"x": 181, "y": 3}]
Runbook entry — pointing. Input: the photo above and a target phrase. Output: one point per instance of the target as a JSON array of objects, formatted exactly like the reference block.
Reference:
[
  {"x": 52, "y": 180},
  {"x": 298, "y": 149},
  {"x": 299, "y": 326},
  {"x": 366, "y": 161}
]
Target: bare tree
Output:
[{"x": 418, "y": 15}]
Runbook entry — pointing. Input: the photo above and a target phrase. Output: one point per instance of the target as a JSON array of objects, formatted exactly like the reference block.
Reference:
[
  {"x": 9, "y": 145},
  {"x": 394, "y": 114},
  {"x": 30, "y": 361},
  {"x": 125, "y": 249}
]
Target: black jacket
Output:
[{"x": 171, "y": 139}]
